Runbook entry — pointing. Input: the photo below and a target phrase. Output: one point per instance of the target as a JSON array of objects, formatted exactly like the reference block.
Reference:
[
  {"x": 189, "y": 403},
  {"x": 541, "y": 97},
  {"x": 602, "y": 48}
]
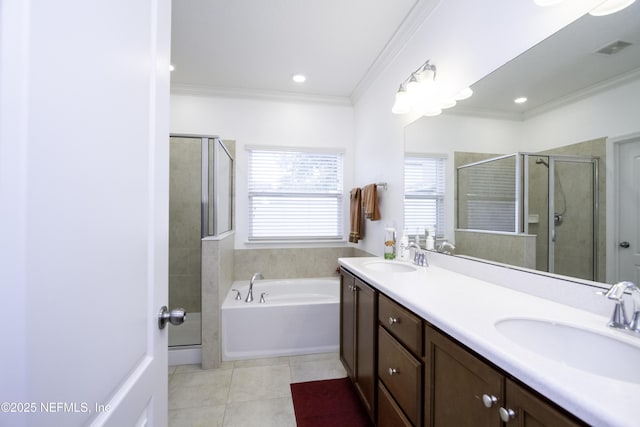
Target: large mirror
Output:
[{"x": 583, "y": 103}]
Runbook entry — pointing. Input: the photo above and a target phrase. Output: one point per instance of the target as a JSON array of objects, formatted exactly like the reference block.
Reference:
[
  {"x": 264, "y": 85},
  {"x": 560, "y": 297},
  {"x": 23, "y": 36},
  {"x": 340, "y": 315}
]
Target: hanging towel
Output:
[
  {"x": 355, "y": 215},
  {"x": 370, "y": 202}
]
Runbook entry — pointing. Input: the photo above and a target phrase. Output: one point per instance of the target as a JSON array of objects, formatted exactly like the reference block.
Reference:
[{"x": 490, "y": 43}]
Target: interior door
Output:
[
  {"x": 629, "y": 211},
  {"x": 84, "y": 90}
]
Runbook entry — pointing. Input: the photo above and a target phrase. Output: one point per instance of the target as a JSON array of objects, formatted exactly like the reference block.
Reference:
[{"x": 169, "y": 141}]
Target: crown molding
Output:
[
  {"x": 485, "y": 113},
  {"x": 223, "y": 92},
  {"x": 407, "y": 28}
]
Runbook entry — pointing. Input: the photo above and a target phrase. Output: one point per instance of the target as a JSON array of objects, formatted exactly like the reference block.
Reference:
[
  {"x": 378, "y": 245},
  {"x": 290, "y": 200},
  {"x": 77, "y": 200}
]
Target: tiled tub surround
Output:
[{"x": 467, "y": 308}]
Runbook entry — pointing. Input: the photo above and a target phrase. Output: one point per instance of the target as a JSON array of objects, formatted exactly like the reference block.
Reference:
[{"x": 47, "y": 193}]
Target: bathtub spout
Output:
[{"x": 253, "y": 279}]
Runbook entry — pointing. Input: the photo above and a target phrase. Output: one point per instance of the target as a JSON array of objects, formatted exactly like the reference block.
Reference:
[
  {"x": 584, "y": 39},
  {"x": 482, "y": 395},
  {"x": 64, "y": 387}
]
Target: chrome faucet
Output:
[
  {"x": 420, "y": 257},
  {"x": 253, "y": 279},
  {"x": 619, "y": 318},
  {"x": 446, "y": 247}
]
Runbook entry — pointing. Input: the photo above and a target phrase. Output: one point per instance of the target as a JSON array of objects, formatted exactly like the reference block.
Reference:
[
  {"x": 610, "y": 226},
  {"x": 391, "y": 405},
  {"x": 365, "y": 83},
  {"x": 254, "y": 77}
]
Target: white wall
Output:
[
  {"x": 253, "y": 122},
  {"x": 466, "y": 40},
  {"x": 611, "y": 113}
]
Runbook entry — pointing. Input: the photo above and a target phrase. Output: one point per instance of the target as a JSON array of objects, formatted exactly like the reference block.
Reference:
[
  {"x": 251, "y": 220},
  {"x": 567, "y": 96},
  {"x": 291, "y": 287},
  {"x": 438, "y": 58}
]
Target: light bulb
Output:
[
  {"x": 298, "y": 78},
  {"x": 447, "y": 103},
  {"x": 610, "y": 6},
  {"x": 402, "y": 104}
]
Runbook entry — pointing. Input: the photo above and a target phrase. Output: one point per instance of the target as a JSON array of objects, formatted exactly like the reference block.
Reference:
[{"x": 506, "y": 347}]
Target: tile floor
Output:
[{"x": 244, "y": 393}]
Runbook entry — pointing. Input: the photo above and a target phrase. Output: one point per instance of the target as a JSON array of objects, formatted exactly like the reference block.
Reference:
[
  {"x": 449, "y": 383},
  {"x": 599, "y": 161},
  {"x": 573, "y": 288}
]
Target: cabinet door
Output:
[
  {"x": 347, "y": 323},
  {"x": 366, "y": 343},
  {"x": 526, "y": 409},
  {"x": 455, "y": 383}
]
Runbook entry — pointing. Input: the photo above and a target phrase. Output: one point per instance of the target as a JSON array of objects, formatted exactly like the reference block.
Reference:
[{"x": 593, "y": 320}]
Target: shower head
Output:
[{"x": 541, "y": 161}]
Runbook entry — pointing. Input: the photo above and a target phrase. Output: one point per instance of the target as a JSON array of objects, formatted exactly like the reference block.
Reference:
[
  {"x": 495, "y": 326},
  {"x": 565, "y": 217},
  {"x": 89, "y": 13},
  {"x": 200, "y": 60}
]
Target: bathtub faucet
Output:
[{"x": 253, "y": 279}]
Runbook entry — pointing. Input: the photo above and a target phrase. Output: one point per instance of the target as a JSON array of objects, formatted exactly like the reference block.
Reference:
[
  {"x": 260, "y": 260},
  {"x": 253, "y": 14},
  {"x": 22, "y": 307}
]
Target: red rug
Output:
[{"x": 333, "y": 403}]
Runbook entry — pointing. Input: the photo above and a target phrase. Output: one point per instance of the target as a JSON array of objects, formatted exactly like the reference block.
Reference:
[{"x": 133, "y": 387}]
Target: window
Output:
[
  {"x": 424, "y": 193},
  {"x": 295, "y": 195}
]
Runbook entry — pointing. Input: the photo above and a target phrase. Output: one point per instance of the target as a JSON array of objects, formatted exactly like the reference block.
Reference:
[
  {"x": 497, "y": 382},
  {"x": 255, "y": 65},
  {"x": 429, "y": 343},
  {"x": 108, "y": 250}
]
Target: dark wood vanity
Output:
[{"x": 409, "y": 373}]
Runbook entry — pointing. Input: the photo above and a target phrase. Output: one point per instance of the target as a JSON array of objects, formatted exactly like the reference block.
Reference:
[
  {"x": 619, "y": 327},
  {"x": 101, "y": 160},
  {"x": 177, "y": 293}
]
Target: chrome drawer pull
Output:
[
  {"x": 489, "y": 400},
  {"x": 393, "y": 371},
  {"x": 392, "y": 320}
]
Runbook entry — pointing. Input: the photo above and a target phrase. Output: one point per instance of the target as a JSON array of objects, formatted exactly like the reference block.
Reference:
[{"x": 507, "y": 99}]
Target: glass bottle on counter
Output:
[{"x": 389, "y": 243}]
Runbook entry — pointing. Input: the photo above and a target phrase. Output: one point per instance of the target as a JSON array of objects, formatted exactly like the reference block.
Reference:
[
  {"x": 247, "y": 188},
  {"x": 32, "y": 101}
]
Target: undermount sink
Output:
[
  {"x": 573, "y": 346},
  {"x": 390, "y": 266}
]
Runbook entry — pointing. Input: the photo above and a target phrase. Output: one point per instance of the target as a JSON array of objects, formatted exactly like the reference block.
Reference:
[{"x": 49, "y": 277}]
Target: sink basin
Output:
[
  {"x": 573, "y": 346},
  {"x": 390, "y": 267}
]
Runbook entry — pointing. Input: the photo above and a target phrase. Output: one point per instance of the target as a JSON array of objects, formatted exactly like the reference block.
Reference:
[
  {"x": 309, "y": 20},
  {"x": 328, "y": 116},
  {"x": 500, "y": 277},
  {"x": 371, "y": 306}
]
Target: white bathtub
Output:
[{"x": 299, "y": 316}]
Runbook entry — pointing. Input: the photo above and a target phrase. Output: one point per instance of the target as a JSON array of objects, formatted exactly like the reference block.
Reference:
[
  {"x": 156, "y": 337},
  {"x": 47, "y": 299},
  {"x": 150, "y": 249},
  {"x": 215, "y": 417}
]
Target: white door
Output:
[
  {"x": 84, "y": 91},
  {"x": 629, "y": 211}
]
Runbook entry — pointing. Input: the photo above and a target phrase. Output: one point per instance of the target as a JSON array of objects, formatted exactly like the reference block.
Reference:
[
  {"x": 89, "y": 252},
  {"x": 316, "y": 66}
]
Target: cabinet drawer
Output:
[
  {"x": 401, "y": 373},
  {"x": 389, "y": 413},
  {"x": 405, "y": 326}
]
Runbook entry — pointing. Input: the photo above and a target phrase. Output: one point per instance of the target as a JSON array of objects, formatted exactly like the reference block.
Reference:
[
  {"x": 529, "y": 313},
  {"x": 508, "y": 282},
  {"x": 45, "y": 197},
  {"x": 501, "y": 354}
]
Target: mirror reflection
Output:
[{"x": 550, "y": 199}]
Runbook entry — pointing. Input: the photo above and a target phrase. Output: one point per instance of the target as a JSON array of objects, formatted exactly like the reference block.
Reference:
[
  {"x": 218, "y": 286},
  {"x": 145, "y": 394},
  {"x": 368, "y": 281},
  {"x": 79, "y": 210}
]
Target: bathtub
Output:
[{"x": 299, "y": 316}]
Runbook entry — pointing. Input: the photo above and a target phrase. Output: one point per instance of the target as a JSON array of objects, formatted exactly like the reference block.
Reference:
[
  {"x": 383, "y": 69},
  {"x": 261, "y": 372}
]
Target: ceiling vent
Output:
[{"x": 613, "y": 48}]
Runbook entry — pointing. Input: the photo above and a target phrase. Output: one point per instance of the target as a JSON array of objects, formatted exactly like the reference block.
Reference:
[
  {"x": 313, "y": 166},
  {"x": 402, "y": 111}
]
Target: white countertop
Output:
[{"x": 467, "y": 309}]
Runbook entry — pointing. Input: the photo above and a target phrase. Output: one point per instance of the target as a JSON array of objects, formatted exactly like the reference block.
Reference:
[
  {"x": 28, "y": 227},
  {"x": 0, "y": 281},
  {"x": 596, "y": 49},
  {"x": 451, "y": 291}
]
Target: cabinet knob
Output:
[
  {"x": 393, "y": 371},
  {"x": 392, "y": 320},
  {"x": 489, "y": 400},
  {"x": 506, "y": 415}
]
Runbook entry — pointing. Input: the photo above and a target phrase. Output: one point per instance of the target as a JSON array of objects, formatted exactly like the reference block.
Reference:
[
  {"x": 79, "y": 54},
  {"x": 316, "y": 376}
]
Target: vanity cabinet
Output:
[
  {"x": 462, "y": 389},
  {"x": 358, "y": 336},
  {"x": 400, "y": 367}
]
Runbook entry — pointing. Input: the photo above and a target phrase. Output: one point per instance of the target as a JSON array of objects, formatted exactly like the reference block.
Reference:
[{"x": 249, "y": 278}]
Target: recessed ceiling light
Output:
[
  {"x": 299, "y": 78},
  {"x": 172, "y": 67},
  {"x": 520, "y": 100}
]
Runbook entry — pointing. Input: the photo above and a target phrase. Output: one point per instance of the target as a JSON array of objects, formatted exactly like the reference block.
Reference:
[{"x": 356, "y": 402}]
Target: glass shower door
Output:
[{"x": 573, "y": 217}]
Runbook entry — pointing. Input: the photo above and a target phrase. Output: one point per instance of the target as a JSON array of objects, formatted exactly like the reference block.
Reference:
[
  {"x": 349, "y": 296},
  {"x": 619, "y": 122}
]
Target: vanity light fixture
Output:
[
  {"x": 420, "y": 93},
  {"x": 606, "y": 8}
]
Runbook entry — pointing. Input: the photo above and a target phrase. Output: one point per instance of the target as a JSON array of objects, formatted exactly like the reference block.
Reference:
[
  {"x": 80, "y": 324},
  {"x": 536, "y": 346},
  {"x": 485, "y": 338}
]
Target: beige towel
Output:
[
  {"x": 356, "y": 216},
  {"x": 370, "y": 202}
]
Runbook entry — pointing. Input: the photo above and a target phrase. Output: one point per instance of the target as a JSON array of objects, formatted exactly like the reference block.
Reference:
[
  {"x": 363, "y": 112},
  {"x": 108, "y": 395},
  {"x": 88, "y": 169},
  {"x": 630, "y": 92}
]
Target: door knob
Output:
[
  {"x": 624, "y": 245},
  {"x": 175, "y": 316}
]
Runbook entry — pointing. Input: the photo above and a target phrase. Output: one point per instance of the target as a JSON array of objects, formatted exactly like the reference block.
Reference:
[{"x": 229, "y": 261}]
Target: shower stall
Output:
[
  {"x": 200, "y": 206},
  {"x": 552, "y": 198}
]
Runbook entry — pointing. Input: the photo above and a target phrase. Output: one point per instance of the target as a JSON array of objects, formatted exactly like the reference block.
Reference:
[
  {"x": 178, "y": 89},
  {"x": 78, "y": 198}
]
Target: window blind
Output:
[
  {"x": 424, "y": 194},
  {"x": 491, "y": 196},
  {"x": 295, "y": 195}
]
